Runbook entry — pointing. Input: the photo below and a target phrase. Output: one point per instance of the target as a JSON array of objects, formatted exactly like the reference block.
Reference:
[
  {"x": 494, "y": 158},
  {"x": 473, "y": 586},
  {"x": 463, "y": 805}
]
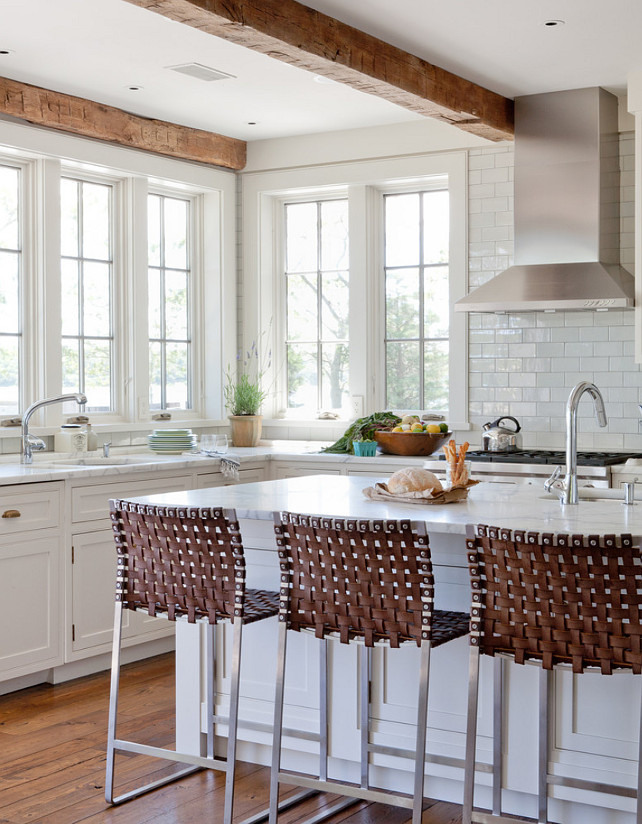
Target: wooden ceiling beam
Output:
[
  {"x": 298, "y": 35},
  {"x": 76, "y": 115}
]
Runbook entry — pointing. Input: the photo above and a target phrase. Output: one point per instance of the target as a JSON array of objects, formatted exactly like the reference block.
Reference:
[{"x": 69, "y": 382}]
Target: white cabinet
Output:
[
  {"x": 30, "y": 571},
  {"x": 93, "y": 568}
]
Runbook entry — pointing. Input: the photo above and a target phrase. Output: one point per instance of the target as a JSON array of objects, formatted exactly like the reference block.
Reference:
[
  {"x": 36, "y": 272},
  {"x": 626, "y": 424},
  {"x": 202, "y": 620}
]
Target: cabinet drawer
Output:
[
  {"x": 29, "y": 506},
  {"x": 89, "y": 503}
]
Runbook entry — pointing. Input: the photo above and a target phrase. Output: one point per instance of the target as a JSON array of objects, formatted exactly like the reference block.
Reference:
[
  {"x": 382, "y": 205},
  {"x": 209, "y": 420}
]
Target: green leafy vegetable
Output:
[{"x": 363, "y": 429}]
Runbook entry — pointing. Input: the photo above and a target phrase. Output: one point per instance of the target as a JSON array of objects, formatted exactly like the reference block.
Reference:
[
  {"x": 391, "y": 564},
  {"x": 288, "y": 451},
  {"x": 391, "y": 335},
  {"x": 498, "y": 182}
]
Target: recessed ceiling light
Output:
[
  {"x": 551, "y": 23},
  {"x": 320, "y": 78},
  {"x": 6, "y": 51},
  {"x": 135, "y": 88},
  {"x": 251, "y": 122}
]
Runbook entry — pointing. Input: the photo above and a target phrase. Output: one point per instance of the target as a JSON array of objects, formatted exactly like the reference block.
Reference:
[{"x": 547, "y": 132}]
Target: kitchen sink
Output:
[{"x": 99, "y": 460}]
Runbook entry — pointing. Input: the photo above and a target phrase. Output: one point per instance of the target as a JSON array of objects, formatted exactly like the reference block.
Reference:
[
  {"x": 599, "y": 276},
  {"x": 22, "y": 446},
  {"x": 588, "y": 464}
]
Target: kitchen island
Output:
[{"x": 594, "y": 719}]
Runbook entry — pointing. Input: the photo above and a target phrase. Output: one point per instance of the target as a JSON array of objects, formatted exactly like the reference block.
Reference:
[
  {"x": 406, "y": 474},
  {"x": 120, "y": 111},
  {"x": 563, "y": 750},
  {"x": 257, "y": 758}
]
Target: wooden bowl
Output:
[{"x": 413, "y": 443}]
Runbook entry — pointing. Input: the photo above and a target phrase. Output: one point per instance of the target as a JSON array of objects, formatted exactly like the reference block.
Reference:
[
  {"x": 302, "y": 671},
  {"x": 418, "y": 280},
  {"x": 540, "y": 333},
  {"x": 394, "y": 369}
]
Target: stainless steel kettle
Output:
[{"x": 498, "y": 438}]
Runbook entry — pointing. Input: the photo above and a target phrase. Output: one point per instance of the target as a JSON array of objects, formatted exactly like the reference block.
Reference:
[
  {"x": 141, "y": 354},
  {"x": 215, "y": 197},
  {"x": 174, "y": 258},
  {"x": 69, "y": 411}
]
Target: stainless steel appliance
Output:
[
  {"x": 567, "y": 248},
  {"x": 498, "y": 438},
  {"x": 533, "y": 466}
]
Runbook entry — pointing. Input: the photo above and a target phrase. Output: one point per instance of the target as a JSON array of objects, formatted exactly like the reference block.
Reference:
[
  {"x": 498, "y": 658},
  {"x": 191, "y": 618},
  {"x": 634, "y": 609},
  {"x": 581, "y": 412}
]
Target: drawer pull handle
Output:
[{"x": 11, "y": 513}]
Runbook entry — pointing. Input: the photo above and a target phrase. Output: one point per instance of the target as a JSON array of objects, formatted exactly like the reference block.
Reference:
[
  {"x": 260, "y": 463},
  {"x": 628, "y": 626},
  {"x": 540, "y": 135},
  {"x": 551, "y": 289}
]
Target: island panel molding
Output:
[
  {"x": 66, "y": 113},
  {"x": 293, "y": 33}
]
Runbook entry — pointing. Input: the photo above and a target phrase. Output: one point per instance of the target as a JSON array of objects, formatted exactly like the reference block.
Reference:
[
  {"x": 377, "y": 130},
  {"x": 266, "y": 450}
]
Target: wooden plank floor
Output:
[{"x": 52, "y": 761}]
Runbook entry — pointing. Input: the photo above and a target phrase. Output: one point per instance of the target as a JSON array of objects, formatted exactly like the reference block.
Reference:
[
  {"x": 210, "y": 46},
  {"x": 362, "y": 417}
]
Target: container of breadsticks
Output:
[{"x": 457, "y": 467}]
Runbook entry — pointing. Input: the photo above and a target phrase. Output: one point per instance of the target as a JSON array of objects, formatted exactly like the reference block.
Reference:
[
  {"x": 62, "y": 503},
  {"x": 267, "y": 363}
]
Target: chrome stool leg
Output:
[
  {"x": 471, "y": 736},
  {"x": 233, "y": 721},
  {"x": 113, "y": 702},
  {"x": 638, "y": 811},
  {"x": 364, "y": 661},
  {"x": 210, "y": 676},
  {"x": 498, "y": 729},
  {"x": 323, "y": 709},
  {"x": 542, "y": 783},
  {"x": 278, "y": 721},
  {"x": 422, "y": 721}
]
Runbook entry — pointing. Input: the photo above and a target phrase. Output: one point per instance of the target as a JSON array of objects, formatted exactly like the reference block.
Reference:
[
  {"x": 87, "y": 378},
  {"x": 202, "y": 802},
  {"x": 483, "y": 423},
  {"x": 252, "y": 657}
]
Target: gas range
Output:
[
  {"x": 533, "y": 466},
  {"x": 550, "y": 456}
]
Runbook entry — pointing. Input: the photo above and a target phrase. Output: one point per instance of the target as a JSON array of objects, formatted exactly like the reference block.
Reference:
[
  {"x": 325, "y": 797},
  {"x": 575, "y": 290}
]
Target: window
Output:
[
  {"x": 317, "y": 304},
  {"x": 403, "y": 228},
  {"x": 416, "y": 237},
  {"x": 10, "y": 281},
  {"x": 86, "y": 243},
  {"x": 170, "y": 346}
]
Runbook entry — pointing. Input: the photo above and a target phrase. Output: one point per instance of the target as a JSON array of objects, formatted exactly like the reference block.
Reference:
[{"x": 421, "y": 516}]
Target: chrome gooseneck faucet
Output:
[
  {"x": 31, "y": 442},
  {"x": 566, "y": 490}
]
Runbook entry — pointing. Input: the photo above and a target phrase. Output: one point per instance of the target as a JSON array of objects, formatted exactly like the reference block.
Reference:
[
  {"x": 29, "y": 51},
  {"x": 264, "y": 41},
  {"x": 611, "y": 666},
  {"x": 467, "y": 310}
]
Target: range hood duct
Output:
[{"x": 567, "y": 209}]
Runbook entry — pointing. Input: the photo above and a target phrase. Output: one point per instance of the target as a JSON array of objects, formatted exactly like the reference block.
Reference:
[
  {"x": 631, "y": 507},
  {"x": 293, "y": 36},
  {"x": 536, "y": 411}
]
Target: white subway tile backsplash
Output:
[
  {"x": 498, "y": 174},
  {"x": 582, "y": 350},
  {"x": 480, "y": 161},
  {"x": 596, "y": 334},
  {"x": 522, "y": 379},
  {"x": 522, "y": 350},
  {"x": 564, "y": 334},
  {"x": 530, "y": 361},
  {"x": 593, "y": 364}
]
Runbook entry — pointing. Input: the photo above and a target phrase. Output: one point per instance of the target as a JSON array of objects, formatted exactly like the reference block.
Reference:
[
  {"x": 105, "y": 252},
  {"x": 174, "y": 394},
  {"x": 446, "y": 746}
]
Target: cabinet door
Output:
[
  {"x": 93, "y": 596},
  {"x": 31, "y": 603}
]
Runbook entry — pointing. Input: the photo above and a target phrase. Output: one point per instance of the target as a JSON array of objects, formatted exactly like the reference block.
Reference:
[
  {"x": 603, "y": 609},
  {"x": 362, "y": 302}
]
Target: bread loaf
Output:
[{"x": 413, "y": 480}]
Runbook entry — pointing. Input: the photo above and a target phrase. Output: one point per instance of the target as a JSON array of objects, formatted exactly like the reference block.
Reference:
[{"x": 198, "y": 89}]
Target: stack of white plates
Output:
[{"x": 170, "y": 441}]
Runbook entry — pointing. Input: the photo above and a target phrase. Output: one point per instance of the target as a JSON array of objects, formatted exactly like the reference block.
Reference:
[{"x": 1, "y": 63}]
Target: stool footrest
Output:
[
  {"x": 592, "y": 786},
  {"x": 350, "y": 790},
  {"x": 259, "y": 726},
  {"x": 198, "y": 761}
]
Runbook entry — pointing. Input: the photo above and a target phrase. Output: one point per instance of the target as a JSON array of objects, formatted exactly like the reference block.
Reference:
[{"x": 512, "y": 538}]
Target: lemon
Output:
[
  {"x": 398, "y": 429},
  {"x": 433, "y": 428},
  {"x": 416, "y": 427}
]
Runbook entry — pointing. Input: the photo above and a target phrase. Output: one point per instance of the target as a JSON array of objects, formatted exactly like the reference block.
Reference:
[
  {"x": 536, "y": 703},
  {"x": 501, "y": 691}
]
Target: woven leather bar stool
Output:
[
  {"x": 357, "y": 581},
  {"x": 556, "y": 600},
  {"x": 183, "y": 564}
]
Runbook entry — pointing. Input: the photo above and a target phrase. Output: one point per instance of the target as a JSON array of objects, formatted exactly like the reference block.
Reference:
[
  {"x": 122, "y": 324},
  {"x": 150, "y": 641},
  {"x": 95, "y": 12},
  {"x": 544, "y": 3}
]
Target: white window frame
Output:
[
  {"x": 44, "y": 154},
  {"x": 196, "y": 318},
  {"x": 365, "y": 183},
  {"x": 25, "y": 287},
  {"x": 117, "y": 274},
  {"x": 437, "y": 182},
  {"x": 279, "y": 381}
]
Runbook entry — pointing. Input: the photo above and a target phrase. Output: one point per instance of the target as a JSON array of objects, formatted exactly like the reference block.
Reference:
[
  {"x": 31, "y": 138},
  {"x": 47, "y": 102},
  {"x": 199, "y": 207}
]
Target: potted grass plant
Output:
[{"x": 244, "y": 396}]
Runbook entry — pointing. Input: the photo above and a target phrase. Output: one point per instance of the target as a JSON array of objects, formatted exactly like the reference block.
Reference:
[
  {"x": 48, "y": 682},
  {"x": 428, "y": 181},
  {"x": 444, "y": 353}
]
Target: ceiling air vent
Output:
[{"x": 200, "y": 72}]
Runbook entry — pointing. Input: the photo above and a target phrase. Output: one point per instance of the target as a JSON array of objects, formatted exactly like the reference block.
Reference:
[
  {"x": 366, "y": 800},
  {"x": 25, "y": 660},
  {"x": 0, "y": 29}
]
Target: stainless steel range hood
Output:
[{"x": 567, "y": 209}]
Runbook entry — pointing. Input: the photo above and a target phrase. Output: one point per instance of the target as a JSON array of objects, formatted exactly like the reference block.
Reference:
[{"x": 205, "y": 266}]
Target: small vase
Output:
[{"x": 246, "y": 429}]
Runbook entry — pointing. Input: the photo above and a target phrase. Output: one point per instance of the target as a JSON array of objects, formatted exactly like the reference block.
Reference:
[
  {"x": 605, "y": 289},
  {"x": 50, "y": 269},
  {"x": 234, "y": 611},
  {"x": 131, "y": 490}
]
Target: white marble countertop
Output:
[
  {"x": 507, "y": 505},
  {"x": 51, "y": 466}
]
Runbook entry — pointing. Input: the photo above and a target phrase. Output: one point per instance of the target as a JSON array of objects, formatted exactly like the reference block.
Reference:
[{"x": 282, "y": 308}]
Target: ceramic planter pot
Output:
[{"x": 246, "y": 429}]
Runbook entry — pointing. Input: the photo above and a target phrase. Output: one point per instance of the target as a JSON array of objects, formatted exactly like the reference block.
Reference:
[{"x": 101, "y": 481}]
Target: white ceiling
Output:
[{"x": 98, "y": 48}]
